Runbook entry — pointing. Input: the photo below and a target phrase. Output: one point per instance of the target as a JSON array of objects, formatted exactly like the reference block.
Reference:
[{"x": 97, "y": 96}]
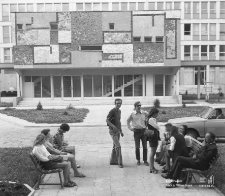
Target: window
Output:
[
  {"x": 137, "y": 39},
  {"x": 65, "y": 7},
  {"x": 21, "y": 7},
  {"x": 204, "y": 52},
  {"x": 177, "y": 5},
  {"x": 19, "y": 26},
  {"x": 111, "y": 25},
  {"x": 212, "y": 9},
  {"x": 159, "y": 5},
  {"x": 28, "y": 26},
  {"x": 141, "y": 6},
  {"x": 105, "y": 6},
  {"x": 57, "y": 7},
  {"x": 195, "y": 52},
  {"x": 204, "y": 31},
  {"x": 158, "y": 39},
  {"x": 91, "y": 47},
  {"x": 30, "y": 7},
  {"x": 168, "y": 5},
  {"x": 204, "y": 10},
  {"x": 195, "y": 31},
  {"x": 222, "y": 31},
  {"x": 5, "y": 12},
  {"x": 202, "y": 75},
  {"x": 48, "y": 7},
  {"x": 40, "y": 7},
  {"x": 27, "y": 78},
  {"x": 222, "y": 9},
  {"x": 196, "y": 10},
  {"x": 187, "y": 29},
  {"x": 7, "y": 55},
  {"x": 148, "y": 39},
  {"x": 187, "y": 52},
  {"x": 212, "y": 52},
  {"x": 123, "y": 6},
  {"x": 132, "y": 6},
  {"x": 187, "y": 10},
  {"x": 13, "y": 7},
  {"x": 6, "y": 36},
  {"x": 54, "y": 26},
  {"x": 79, "y": 6},
  {"x": 115, "y": 6},
  {"x": 212, "y": 29},
  {"x": 151, "y": 6},
  {"x": 222, "y": 52},
  {"x": 87, "y": 7},
  {"x": 96, "y": 6}
]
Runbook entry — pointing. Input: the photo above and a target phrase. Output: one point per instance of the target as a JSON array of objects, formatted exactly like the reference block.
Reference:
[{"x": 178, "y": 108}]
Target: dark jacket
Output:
[
  {"x": 156, "y": 136},
  {"x": 180, "y": 148},
  {"x": 114, "y": 117},
  {"x": 206, "y": 154}
]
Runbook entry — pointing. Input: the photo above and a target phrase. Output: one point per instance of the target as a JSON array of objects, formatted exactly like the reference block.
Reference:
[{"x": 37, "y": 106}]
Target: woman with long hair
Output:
[
  {"x": 46, "y": 160},
  {"x": 153, "y": 140}
]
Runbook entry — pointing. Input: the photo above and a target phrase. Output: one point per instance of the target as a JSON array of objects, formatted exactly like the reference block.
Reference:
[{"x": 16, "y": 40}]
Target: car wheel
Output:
[{"x": 192, "y": 133}]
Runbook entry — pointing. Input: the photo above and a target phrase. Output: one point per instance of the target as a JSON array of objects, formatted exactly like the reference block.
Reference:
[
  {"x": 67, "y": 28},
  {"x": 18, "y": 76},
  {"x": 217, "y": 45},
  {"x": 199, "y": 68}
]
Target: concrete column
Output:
[
  {"x": 164, "y": 85},
  {"x": 62, "y": 89},
  {"x": 177, "y": 82},
  {"x": 21, "y": 85},
  {"x": 18, "y": 84},
  {"x": 207, "y": 81},
  {"x": 52, "y": 86},
  {"x": 149, "y": 85},
  {"x": 143, "y": 85},
  {"x": 198, "y": 83},
  {"x": 82, "y": 86}
]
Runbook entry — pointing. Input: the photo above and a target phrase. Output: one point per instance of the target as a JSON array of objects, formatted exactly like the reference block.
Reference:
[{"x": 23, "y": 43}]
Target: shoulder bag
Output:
[
  {"x": 149, "y": 131},
  {"x": 58, "y": 159}
]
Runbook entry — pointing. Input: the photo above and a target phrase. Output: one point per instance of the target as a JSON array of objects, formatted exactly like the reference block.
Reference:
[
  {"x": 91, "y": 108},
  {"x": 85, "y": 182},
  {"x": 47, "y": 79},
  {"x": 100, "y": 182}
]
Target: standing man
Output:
[
  {"x": 113, "y": 121},
  {"x": 136, "y": 123}
]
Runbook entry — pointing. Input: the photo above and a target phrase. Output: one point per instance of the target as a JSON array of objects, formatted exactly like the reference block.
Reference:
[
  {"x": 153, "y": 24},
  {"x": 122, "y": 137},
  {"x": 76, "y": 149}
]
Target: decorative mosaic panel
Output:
[
  {"x": 64, "y": 53},
  {"x": 86, "y": 29},
  {"x": 112, "y": 56},
  {"x": 13, "y": 30},
  {"x": 46, "y": 54},
  {"x": 117, "y": 37},
  {"x": 170, "y": 31},
  {"x": 64, "y": 36},
  {"x": 33, "y": 37},
  {"x": 64, "y": 21},
  {"x": 54, "y": 38},
  {"x": 23, "y": 55},
  {"x": 148, "y": 52}
]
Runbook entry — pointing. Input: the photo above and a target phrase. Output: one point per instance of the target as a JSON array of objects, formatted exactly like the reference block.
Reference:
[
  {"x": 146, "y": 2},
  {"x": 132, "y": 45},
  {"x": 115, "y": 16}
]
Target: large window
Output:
[
  {"x": 96, "y": 6},
  {"x": 212, "y": 52},
  {"x": 151, "y": 5},
  {"x": 6, "y": 36},
  {"x": 132, "y": 6},
  {"x": 40, "y": 7},
  {"x": 87, "y": 86},
  {"x": 115, "y": 6},
  {"x": 79, "y": 7},
  {"x": 212, "y": 9},
  {"x": 196, "y": 10},
  {"x": 48, "y": 7},
  {"x": 13, "y": 7},
  {"x": 187, "y": 10},
  {"x": 195, "y": 31},
  {"x": 222, "y": 52},
  {"x": 160, "y": 6},
  {"x": 222, "y": 31},
  {"x": 37, "y": 86},
  {"x": 204, "y": 31},
  {"x": 176, "y": 5},
  {"x": 141, "y": 6},
  {"x": 204, "y": 10},
  {"x": 30, "y": 7},
  {"x": 187, "y": 29},
  {"x": 212, "y": 29},
  {"x": 57, "y": 7},
  {"x": 202, "y": 75},
  {"x": 21, "y": 7},
  {"x": 222, "y": 9},
  {"x": 195, "y": 52},
  {"x": 187, "y": 52},
  {"x": 204, "y": 50},
  {"x": 168, "y": 5},
  {"x": 7, "y": 55},
  {"x": 88, "y": 7},
  {"x": 105, "y": 6},
  {"x": 5, "y": 12},
  {"x": 124, "y": 6}
]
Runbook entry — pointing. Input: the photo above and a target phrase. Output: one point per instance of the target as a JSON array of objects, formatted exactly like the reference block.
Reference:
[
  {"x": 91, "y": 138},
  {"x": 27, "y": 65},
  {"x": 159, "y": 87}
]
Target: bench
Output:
[
  {"x": 196, "y": 145},
  {"x": 43, "y": 172}
]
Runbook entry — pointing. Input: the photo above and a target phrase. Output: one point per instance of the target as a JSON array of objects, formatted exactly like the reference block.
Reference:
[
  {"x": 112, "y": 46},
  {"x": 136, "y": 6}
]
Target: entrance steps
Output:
[{"x": 32, "y": 102}]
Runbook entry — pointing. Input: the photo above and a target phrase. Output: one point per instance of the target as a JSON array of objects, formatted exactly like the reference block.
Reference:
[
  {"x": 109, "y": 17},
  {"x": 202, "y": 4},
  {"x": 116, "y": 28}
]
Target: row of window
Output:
[{"x": 203, "y": 52}]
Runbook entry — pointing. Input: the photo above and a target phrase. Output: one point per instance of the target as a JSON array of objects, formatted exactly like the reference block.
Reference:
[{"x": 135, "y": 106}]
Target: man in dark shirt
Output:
[
  {"x": 219, "y": 114},
  {"x": 200, "y": 161},
  {"x": 113, "y": 121}
]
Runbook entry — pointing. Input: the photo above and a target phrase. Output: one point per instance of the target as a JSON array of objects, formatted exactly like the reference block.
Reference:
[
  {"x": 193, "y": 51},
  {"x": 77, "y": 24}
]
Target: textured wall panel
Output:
[
  {"x": 86, "y": 29},
  {"x": 64, "y": 36},
  {"x": 148, "y": 52},
  {"x": 169, "y": 13},
  {"x": 117, "y": 37},
  {"x": 64, "y": 21},
  {"x": 42, "y": 54},
  {"x": 54, "y": 38},
  {"x": 40, "y": 20},
  {"x": 170, "y": 31},
  {"x": 33, "y": 37},
  {"x": 13, "y": 27},
  {"x": 121, "y": 20},
  {"x": 23, "y": 55},
  {"x": 64, "y": 53}
]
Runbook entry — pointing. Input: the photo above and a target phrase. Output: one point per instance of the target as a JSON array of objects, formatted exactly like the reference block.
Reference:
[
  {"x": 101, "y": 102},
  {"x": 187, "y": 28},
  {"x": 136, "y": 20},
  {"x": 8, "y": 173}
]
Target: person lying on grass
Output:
[
  {"x": 66, "y": 156},
  {"x": 46, "y": 160}
]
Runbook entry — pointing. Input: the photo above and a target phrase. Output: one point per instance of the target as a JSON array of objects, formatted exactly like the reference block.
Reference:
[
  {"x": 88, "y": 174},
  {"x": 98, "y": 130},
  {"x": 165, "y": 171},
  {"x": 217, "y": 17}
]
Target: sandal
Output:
[
  {"x": 80, "y": 175},
  {"x": 74, "y": 183},
  {"x": 70, "y": 184},
  {"x": 155, "y": 171}
]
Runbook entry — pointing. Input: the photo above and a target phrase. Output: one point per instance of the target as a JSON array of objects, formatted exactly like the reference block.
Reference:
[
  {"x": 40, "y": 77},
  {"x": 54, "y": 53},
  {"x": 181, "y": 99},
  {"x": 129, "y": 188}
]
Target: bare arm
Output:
[{"x": 128, "y": 122}]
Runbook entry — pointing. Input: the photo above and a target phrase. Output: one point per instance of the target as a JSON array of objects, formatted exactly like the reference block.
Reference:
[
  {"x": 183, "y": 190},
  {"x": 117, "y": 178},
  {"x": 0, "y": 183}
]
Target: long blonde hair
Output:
[{"x": 39, "y": 139}]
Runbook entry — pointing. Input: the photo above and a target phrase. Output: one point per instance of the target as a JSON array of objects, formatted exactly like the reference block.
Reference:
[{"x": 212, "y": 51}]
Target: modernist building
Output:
[{"x": 79, "y": 50}]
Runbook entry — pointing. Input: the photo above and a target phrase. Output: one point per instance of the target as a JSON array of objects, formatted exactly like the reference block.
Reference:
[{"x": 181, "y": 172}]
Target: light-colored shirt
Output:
[
  {"x": 137, "y": 120},
  {"x": 172, "y": 143},
  {"x": 152, "y": 122},
  {"x": 41, "y": 153},
  {"x": 188, "y": 140}
]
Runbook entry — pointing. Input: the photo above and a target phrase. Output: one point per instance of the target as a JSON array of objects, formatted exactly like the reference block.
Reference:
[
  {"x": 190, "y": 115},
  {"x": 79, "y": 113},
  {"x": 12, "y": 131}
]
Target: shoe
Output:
[
  {"x": 164, "y": 167},
  {"x": 171, "y": 185},
  {"x": 138, "y": 163},
  {"x": 78, "y": 166},
  {"x": 146, "y": 163},
  {"x": 70, "y": 184},
  {"x": 80, "y": 175},
  {"x": 165, "y": 171},
  {"x": 166, "y": 176},
  {"x": 162, "y": 164},
  {"x": 121, "y": 166},
  {"x": 155, "y": 171}
]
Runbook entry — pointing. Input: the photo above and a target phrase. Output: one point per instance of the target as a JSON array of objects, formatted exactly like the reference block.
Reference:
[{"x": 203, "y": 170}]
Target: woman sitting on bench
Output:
[{"x": 46, "y": 160}]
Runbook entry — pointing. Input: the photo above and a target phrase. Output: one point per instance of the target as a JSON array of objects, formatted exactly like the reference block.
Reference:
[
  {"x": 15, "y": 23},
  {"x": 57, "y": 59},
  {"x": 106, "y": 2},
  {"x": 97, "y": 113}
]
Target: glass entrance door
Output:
[
  {"x": 57, "y": 86},
  {"x": 67, "y": 86}
]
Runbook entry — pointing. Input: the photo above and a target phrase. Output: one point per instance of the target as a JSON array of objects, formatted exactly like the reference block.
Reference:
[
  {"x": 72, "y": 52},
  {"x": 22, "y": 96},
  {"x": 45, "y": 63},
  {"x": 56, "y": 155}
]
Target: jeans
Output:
[{"x": 139, "y": 135}]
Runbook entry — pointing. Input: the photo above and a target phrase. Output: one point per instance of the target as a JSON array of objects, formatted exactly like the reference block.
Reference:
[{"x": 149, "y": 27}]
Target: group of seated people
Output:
[
  {"x": 47, "y": 149},
  {"x": 177, "y": 146}
]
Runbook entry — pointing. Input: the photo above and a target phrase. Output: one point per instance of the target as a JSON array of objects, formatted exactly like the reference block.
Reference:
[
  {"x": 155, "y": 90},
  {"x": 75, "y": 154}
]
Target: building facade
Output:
[{"x": 77, "y": 50}]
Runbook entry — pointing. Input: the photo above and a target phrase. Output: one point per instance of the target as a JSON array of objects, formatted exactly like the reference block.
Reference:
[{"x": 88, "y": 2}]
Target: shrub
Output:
[
  {"x": 39, "y": 106},
  {"x": 184, "y": 105},
  {"x": 70, "y": 107},
  {"x": 65, "y": 113},
  {"x": 163, "y": 112},
  {"x": 186, "y": 92},
  {"x": 156, "y": 103}
]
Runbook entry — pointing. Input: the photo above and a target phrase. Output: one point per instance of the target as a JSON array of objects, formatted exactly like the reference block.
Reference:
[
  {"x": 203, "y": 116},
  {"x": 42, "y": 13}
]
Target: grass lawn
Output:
[
  {"x": 50, "y": 116},
  {"x": 17, "y": 166},
  {"x": 5, "y": 104},
  {"x": 166, "y": 113}
]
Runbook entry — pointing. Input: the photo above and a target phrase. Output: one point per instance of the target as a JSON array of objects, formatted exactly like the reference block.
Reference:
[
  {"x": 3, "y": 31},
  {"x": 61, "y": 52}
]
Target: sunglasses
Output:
[{"x": 138, "y": 105}]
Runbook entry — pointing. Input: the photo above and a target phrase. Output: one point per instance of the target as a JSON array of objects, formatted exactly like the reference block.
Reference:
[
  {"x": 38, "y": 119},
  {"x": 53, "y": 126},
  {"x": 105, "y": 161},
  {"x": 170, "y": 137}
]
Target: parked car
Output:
[{"x": 203, "y": 122}]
